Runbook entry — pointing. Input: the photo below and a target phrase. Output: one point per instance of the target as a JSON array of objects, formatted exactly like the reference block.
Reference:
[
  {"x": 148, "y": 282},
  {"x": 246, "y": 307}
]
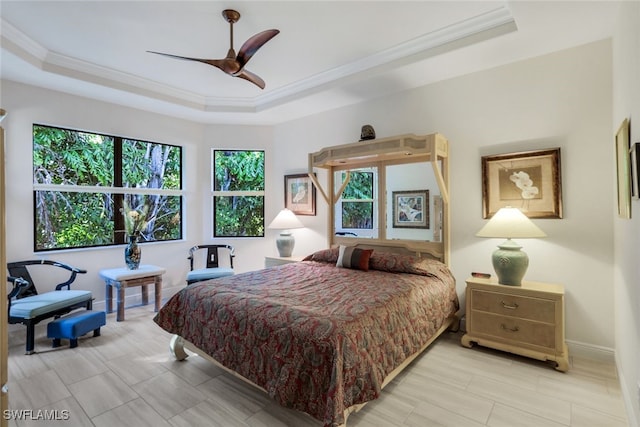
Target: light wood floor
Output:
[{"x": 127, "y": 377}]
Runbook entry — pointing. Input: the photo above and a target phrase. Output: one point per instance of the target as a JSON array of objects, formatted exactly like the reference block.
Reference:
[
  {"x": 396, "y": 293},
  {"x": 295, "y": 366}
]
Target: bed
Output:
[
  {"x": 317, "y": 337},
  {"x": 325, "y": 339}
]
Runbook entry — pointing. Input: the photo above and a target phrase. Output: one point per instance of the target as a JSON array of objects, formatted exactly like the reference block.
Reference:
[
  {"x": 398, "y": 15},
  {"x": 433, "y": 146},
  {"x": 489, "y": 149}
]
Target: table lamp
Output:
[
  {"x": 509, "y": 262},
  {"x": 285, "y": 221}
]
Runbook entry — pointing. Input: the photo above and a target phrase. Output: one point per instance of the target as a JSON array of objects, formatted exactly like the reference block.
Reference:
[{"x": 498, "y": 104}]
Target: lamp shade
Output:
[
  {"x": 285, "y": 220},
  {"x": 510, "y": 223}
]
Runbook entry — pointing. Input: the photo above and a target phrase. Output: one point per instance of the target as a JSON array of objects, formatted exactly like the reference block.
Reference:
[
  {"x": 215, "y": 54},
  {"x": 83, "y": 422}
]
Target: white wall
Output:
[
  {"x": 560, "y": 100},
  {"x": 626, "y": 96}
]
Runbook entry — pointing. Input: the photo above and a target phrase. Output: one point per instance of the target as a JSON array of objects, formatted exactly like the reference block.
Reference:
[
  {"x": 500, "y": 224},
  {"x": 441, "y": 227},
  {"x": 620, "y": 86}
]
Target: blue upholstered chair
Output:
[
  {"x": 212, "y": 268},
  {"x": 29, "y": 307}
]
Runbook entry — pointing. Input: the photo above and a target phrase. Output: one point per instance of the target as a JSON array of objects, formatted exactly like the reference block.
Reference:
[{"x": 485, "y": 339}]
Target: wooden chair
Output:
[
  {"x": 29, "y": 307},
  {"x": 212, "y": 268}
]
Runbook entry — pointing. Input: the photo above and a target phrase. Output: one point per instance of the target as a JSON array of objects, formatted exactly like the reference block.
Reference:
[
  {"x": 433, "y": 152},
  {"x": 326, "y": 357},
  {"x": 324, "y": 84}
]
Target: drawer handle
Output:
[
  {"x": 505, "y": 328},
  {"x": 509, "y": 306}
]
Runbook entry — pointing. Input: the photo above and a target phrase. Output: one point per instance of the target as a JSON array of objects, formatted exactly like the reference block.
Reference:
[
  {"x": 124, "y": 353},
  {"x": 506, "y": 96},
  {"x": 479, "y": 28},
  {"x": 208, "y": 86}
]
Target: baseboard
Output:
[
  {"x": 591, "y": 351},
  {"x": 133, "y": 298},
  {"x": 629, "y": 394}
]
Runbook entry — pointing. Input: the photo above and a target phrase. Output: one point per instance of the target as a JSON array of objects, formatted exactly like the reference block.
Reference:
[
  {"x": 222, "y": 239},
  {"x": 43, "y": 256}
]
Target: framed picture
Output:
[
  {"x": 411, "y": 209},
  {"x": 635, "y": 178},
  {"x": 299, "y": 194},
  {"x": 622, "y": 168},
  {"x": 530, "y": 181}
]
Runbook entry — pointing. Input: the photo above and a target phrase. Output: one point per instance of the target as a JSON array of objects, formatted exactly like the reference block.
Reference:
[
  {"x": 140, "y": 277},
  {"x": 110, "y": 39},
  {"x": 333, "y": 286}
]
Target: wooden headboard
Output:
[{"x": 403, "y": 247}]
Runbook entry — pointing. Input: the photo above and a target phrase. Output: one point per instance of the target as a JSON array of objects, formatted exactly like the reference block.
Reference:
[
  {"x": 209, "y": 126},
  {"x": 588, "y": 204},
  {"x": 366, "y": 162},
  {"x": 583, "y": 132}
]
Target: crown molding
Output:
[
  {"x": 464, "y": 33},
  {"x": 467, "y": 32}
]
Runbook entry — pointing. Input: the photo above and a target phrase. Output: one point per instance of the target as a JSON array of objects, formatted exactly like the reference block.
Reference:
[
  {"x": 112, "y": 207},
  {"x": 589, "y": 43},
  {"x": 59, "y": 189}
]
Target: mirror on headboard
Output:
[{"x": 414, "y": 203}]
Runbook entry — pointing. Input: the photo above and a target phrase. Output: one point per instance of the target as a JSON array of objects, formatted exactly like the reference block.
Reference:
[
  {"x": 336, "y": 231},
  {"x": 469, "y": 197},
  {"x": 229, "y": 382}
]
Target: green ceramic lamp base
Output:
[{"x": 510, "y": 263}]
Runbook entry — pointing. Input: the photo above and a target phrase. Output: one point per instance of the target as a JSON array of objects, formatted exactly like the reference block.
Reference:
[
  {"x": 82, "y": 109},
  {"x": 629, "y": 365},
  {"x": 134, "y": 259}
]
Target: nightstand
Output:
[
  {"x": 270, "y": 261},
  {"x": 527, "y": 320}
]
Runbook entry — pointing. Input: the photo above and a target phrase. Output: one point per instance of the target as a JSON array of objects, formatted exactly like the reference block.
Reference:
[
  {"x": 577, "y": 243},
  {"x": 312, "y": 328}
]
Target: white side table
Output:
[{"x": 123, "y": 278}]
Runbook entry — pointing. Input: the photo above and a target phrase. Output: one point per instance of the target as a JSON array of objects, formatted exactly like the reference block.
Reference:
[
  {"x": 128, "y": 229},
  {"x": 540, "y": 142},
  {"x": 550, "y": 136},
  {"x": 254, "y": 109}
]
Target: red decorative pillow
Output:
[{"x": 355, "y": 258}]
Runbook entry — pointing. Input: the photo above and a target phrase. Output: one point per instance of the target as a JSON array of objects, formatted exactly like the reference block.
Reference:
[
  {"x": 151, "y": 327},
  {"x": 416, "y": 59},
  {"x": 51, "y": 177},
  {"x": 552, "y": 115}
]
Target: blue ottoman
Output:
[{"x": 75, "y": 325}]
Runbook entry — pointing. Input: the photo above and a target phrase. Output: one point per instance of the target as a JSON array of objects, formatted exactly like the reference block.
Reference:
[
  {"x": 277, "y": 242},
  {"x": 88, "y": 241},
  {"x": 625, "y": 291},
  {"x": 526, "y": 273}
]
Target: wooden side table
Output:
[
  {"x": 123, "y": 278},
  {"x": 527, "y": 320}
]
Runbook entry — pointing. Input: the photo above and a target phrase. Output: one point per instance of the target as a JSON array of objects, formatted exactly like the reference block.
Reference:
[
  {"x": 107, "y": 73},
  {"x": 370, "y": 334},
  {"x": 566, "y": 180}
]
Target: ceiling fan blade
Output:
[
  {"x": 253, "y": 44},
  {"x": 249, "y": 76},
  {"x": 232, "y": 64},
  {"x": 215, "y": 62}
]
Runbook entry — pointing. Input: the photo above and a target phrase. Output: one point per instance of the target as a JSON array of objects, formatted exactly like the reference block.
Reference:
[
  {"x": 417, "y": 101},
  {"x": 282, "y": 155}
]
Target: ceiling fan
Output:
[{"x": 234, "y": 64}]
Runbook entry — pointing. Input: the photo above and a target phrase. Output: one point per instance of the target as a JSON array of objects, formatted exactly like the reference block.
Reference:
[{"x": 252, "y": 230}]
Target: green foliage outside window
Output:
[
  {"x": 357, "y": 201},
  {"x": 86, "y": 209},
  {"x": 238, "y": 193}
]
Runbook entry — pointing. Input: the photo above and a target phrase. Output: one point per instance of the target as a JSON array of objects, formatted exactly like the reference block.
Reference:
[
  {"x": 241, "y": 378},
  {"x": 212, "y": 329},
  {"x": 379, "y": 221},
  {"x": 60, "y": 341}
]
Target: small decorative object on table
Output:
[
  {"x": 132, "y": 253},
  {"x": 135, "y": 221}
]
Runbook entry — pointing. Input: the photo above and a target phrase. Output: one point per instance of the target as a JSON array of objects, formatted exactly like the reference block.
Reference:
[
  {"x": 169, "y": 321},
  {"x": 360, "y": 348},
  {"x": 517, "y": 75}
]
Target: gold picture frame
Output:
[
  {"x": 623, "y": 170},
  {"x": 530, "y": 181},
  {"x": 299, "y": 194}
]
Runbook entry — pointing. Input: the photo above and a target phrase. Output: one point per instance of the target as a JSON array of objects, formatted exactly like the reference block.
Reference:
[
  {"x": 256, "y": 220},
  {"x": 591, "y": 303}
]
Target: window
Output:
[
  {"x": 82, "y": 179},
  {"x": 238, "y": 193},
  {"x": 356, "y": 212}
]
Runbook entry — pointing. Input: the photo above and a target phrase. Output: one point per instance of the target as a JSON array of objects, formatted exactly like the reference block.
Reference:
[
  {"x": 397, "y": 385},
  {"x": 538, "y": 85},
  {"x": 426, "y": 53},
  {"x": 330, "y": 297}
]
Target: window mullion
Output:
[{"x": 118, "y": 198}]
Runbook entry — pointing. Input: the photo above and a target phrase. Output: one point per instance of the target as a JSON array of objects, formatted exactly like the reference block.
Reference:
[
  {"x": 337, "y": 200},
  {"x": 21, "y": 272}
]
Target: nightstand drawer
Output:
[
  {"x": 515, "y": 329},
  {"x": 541, "y": 310}
]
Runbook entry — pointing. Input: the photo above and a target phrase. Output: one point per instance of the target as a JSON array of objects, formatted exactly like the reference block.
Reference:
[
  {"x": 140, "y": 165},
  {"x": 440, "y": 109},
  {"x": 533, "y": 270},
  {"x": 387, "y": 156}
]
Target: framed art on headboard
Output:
[
  {"x": 411, "y": 209},
  {"x": 299, "y": 194},
  {"x": 530, "y": 181}
]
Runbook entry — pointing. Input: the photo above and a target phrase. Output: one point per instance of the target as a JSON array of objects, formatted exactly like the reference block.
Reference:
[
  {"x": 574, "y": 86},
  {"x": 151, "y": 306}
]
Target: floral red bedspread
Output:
[{"x": 317, "y": 337}]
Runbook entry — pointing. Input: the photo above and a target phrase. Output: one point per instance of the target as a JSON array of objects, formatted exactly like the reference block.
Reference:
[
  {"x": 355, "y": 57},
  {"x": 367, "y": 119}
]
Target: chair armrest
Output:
[
  {"x": 73, "y": 270},
  {"x": 18, "y": 283}
]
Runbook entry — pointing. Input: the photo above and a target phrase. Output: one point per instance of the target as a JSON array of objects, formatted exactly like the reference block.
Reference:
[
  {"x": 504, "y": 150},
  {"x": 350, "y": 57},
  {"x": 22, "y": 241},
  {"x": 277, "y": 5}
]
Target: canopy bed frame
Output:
[
  {"x": 433, "y": 149},
  {"x": 411, "y": 255}
]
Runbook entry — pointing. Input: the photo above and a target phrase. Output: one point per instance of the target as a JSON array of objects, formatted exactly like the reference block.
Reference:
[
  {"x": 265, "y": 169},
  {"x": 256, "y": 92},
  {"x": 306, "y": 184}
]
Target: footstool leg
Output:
[
  {"x": 96, "y": 332},
  {"x": 55, "y": 343},
  {"x": 73, "y": 343}
]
